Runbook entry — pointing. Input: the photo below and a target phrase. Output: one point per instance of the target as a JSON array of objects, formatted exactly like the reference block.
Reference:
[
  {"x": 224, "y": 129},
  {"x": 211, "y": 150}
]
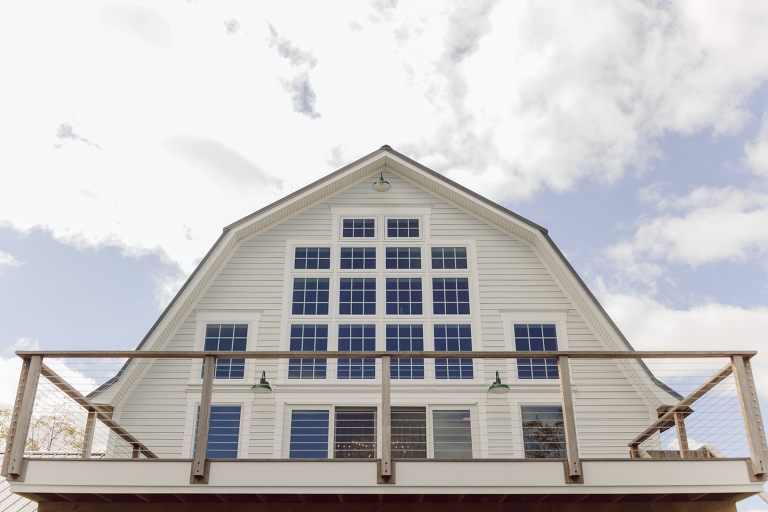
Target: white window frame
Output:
[
  {"x": 473, "y": 422},
  {"x": 363, "y": 216},
  {"x": 509, "y": 318},
  {"x": 517, "y": 419},
  {"x": 245, "y": 403},
  {"x": 291, "y": 256},
  {"x": 402, "y": 216},
  {"x": 203, "y": 317}
]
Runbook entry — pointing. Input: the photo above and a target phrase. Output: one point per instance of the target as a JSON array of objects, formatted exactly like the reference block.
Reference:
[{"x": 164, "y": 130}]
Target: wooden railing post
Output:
[
  {"x": 22, "y": 416},
  {"x": 573, "y": 472},
  {"x": 90, "y": 426},
  {"x": 386, "y": 469},
  {"x": 682, "y": 436},
  {"x": 199, "y": 464},
  {"x": 750, "y": 409}
]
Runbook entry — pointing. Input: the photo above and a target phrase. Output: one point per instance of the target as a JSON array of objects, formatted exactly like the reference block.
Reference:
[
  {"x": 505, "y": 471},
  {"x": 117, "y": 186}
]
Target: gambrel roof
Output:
[{"x": 388, "y": 160}]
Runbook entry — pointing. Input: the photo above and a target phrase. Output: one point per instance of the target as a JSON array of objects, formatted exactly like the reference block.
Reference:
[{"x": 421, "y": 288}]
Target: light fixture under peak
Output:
[
  {"x": 381, "y": 185},
  {"x": 262, "y": 386},
  {"x": 497, "y": 387}
]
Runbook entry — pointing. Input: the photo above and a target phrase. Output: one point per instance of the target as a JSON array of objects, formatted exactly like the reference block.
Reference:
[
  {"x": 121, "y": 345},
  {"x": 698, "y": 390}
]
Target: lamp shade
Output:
[
  {"x": 262, "y": 386},
  {"x": 497, "y": 387},
  {"x": 381, "y": 185}
]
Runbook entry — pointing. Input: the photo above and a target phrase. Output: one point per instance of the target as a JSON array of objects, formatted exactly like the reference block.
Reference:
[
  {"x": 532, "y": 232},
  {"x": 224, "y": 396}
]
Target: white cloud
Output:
[
  {"x": 756, "y": 151},
  {"x": 8, "y": 261}
]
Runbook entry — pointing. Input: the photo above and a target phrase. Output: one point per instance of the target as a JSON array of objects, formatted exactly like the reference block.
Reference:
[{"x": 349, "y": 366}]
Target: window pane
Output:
[
  {"x": 312, "y": 258},
  {"x": 536, "y": 337},
  {"x": 543, "y": 432},
  {"x": 362, "y": 258},
  {"x": 452, "y": 431},
  {"x": 223, "y": 431},
  {"x": 403, "y": 258},
  {"x": 355, "y": 433},
  {"x": 450, "y": 296},
  {"x": 357, "y": 296},
  {"x": 357, "y": 228},
  {"x": 308, "y": 338},
  {"x": 406, "y": 338},
  {"x": 403, "y": 296},
  {"x": 226, "y": 338},
  {"x": 454, "y": 338},
  {"x": 309, "y": 435},
  {"x": 449, "y": 258},
  {"x": 409, "y": 432},
  {"x": 402, "y": 228},
  {"x": 310, "y": 296},
  {"x": 357, "y": 338}
]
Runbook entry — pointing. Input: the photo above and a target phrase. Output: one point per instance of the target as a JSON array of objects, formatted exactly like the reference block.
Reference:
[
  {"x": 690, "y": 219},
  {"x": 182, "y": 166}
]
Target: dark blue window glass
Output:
[
  {"x": 313, "y": 258},
  {"x": 403, "y": 257},
  {"x": 449, "y": 257},
  {"x": 543, "y": 432},
  {"x": 358, "y": 258},
  {"x": 308, "y": 338},
  {"x": 310, "y": 296},
  {"x": 536, "y": 338},
  {"x": 403, "y": 296},
  {"x": 453, "y": 338},
  {"x": 357, "y": 338},
  {"x": 309, "y": 435},
  {"x": 223, "y": 432},
  {"x": 406, "y": 338},
  {"x": 450, "y": 295},
  {"x": 402, "y": 228},
  {"x": 357, "y": 228},
  {"x": 357, "y": 296},
  {"x": 226, "y": 338}
]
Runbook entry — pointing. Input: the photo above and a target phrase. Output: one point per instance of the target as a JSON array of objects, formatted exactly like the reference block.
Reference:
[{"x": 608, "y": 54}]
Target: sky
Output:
[{"x": 132, "y": 132}]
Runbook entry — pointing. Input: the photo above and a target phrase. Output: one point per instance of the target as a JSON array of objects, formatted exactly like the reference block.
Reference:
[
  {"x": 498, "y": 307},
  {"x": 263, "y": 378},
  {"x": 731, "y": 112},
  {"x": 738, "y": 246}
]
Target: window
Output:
[
  {"x": 450, "y": 296},
  {"x": 223, "y": 432},
  {"x": 355, "y": 433},
  {"x": 403, "y": 296},
  {"x": 403, "y": 258},
  {"x": 310, "y": 296},
  {"x": 453, "y": 338},
  {"x": 402, "y": 228},
  {"x": 226, "y": 338},
  {"x": 543, "y": 432},
  {"x": 308, "y": 338},
  {"x": 449, "y": 258},
  {"x": 409, "y": 432},
  {"x": 357, "y": 296},
  {"x": 452, "y": 431},
  {"x": 357, "y": 338},
  {"x": 536, "y": 337},
  {"x": 406, "y": 338},
  {"x": 309, "y": 434},
  {"x": 312, "y": 258},
  {"x": 358, "y": 228},
  {"x": 358, "y": 258}
]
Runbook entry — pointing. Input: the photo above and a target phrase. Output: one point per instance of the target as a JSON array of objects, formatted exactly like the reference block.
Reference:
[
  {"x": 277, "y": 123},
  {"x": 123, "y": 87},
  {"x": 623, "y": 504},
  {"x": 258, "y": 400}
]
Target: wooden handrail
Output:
[{"x": 166, "y": 354}]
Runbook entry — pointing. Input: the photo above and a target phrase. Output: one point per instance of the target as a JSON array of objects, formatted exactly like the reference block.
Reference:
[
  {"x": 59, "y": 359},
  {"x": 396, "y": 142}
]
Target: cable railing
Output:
[{"x": 385, "y": 407}]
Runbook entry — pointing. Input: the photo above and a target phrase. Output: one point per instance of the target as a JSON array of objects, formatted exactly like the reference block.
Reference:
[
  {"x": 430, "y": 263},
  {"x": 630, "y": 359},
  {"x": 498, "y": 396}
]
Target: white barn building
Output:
[{"x": 386, "y": 256}]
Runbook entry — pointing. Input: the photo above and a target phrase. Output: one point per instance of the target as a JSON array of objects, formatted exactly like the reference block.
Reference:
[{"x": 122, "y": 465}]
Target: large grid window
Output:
[
  {"x": 403, "y": 296},
  {"x": 454, "y": 338},
  {"x": 536, "y": 338},
  {"x": 403, "y": 258},
  {"x": 308, "y": 338},
  {"x": 355, "y": 433},
  {"x": 358, "y": 258},
  {"x": 406, "y": 338},
  {"x": 402, "y": 228},
  {"x": 226, "y": 338},
  {"x": 310, "y": 296},
  {"x": 449, "y": 258},
  {"x": 357, "y": 296},
  {"x": 223, "y": 432},
  {"x": 452, "y": 432},
  {"x": 450, "y": 295},
  {"x": 357, "y": 338},
  {"x": 409, "y": 432},
  {"x": 358, "y": 228},
  {"x": 309, "y": 434},
  {"x": 543, "y": 432},
  {"x": 313, "y": 258}
]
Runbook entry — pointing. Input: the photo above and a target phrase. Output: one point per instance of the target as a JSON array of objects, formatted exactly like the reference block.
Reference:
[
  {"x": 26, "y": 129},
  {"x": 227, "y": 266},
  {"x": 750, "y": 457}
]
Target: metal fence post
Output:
[
  {"x": 199, "y": 464},
  {"x": 750, "y": 409},
  {"x": 573, "y": 472},
  {"x": 386, "y": 468},
  {"x": 22, "y": 416}
]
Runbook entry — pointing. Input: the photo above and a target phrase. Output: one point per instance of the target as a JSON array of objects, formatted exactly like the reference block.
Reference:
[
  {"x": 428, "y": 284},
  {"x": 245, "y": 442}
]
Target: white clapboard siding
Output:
[{"x": 511, "y": 276}]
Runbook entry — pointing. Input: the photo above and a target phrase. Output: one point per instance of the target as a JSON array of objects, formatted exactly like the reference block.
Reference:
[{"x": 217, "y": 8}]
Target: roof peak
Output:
[{"x": 385, "y": 146}]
